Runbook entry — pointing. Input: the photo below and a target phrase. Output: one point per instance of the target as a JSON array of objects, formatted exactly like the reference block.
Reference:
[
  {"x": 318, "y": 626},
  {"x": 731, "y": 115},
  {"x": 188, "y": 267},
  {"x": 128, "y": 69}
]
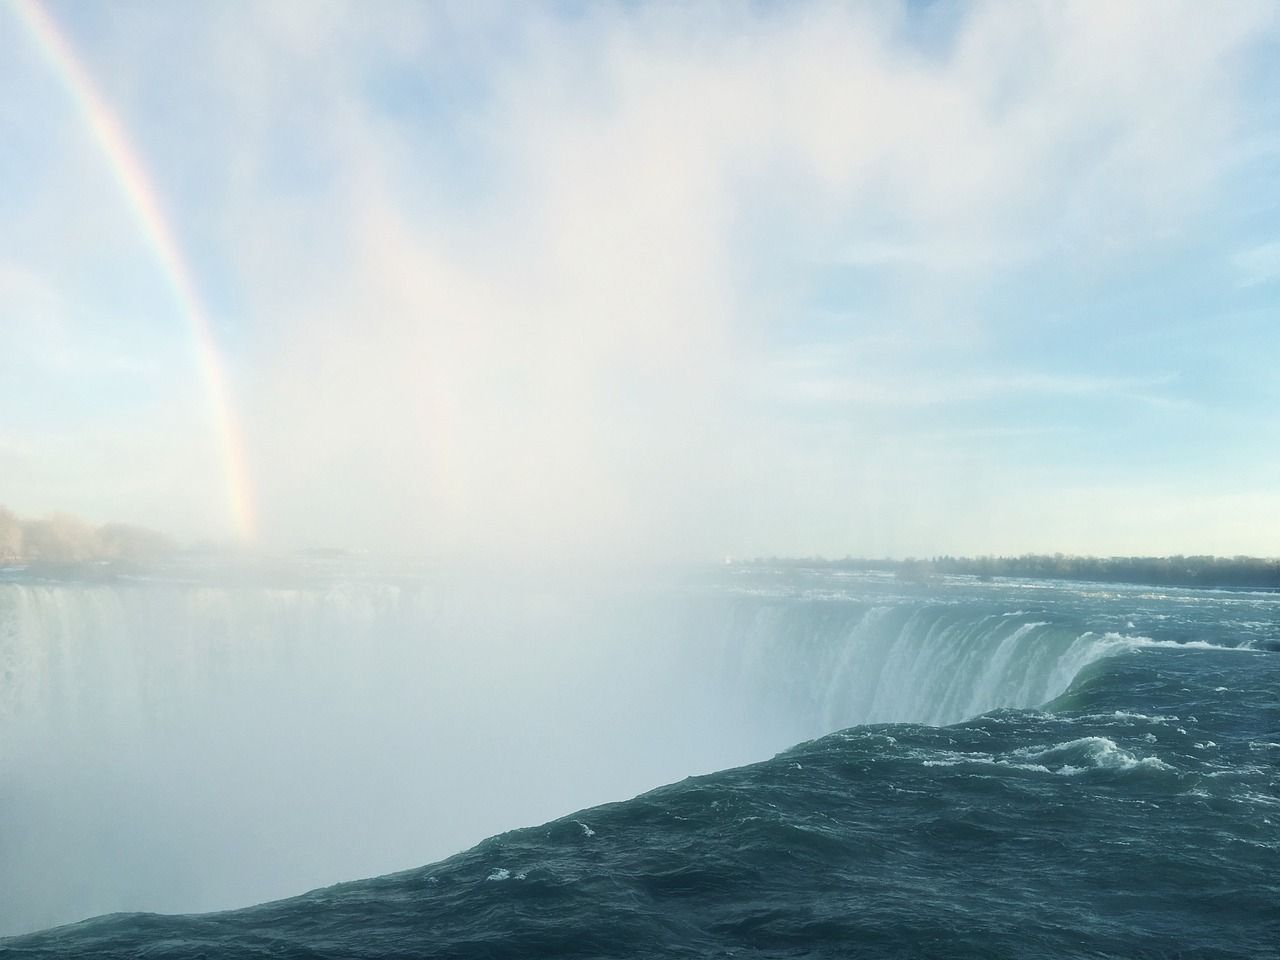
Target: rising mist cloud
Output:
[{"x": 527, "y": 282}]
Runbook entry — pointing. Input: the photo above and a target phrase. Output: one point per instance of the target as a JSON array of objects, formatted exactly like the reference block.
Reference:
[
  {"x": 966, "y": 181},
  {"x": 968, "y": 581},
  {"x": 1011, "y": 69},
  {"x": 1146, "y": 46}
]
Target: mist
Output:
[
  {"x": 595, "y": 331},
  {"x": 172, "y": 746},
  {"x": 661, "y": 282},
  {"x": 180, "y": 748}
]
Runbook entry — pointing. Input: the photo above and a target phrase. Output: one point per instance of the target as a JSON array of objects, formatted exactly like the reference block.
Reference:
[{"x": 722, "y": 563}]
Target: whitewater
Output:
[{"x": 854, "y": 764}]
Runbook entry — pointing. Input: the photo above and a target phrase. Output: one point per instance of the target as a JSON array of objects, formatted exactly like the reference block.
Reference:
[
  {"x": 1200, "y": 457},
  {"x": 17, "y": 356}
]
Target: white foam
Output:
[
  {"x": 1089, "y": 753},
  {"x": 1125, "y": 715},
  {"x": 1070, "y": 758},
  {"x": 1140, "y": 642}
]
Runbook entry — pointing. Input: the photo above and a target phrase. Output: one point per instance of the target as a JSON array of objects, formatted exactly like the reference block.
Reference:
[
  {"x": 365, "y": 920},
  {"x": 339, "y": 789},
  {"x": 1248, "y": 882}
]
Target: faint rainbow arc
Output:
[{"x": 136, "y": 186}]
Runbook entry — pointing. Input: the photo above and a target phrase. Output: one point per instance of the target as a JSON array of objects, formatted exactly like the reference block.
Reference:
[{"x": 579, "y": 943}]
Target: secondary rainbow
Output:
[{"x": 135, "y": 184}]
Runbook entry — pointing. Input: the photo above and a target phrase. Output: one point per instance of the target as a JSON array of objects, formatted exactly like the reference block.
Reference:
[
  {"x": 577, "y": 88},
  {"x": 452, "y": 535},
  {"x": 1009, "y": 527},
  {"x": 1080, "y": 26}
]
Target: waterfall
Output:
[
  {"x": 820, "y": 665},
  {"x": 180, "y": 746}
]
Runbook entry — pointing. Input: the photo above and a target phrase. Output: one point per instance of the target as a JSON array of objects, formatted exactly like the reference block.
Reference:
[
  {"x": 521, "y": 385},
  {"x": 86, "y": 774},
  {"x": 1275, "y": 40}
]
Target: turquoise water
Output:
[{"x": 1009, "y": 769}]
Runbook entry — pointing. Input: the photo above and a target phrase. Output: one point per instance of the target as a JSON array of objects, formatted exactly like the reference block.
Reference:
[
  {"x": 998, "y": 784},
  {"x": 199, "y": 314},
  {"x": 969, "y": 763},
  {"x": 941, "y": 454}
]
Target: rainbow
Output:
[{"x": 140, "y": 193}]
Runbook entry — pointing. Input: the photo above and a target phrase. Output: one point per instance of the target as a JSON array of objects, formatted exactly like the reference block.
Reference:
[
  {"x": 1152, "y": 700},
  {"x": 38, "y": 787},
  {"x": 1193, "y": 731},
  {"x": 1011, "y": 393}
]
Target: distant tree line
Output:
[
  {"x": 1179, "y": 571},
  {"x": 62, "y": 538}
]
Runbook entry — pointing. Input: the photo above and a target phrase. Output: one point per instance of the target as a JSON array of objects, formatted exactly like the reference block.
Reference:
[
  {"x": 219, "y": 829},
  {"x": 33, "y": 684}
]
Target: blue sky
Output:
[{"x": 662, "y": 280}]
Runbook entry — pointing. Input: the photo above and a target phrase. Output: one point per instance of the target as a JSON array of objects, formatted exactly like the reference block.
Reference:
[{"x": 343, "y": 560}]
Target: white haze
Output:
[
  {"x": 506, "y": 281},
  {"x": 588, "y": 351},
  {"x": 182, "y": 748},
  {"x": 179, "y": 747}
]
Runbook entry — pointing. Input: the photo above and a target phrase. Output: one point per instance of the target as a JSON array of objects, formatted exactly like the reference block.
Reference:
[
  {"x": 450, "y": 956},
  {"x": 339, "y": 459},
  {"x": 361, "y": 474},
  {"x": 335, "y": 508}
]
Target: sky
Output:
[{"x": 661, "y": 281}]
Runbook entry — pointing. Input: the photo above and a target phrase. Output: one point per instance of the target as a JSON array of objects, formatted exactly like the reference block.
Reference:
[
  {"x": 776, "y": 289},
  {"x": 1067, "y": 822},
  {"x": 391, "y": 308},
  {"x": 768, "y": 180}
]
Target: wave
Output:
[
  {"x": 1088, "y": 754},
  {"x": 1072, "y": 758}
]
